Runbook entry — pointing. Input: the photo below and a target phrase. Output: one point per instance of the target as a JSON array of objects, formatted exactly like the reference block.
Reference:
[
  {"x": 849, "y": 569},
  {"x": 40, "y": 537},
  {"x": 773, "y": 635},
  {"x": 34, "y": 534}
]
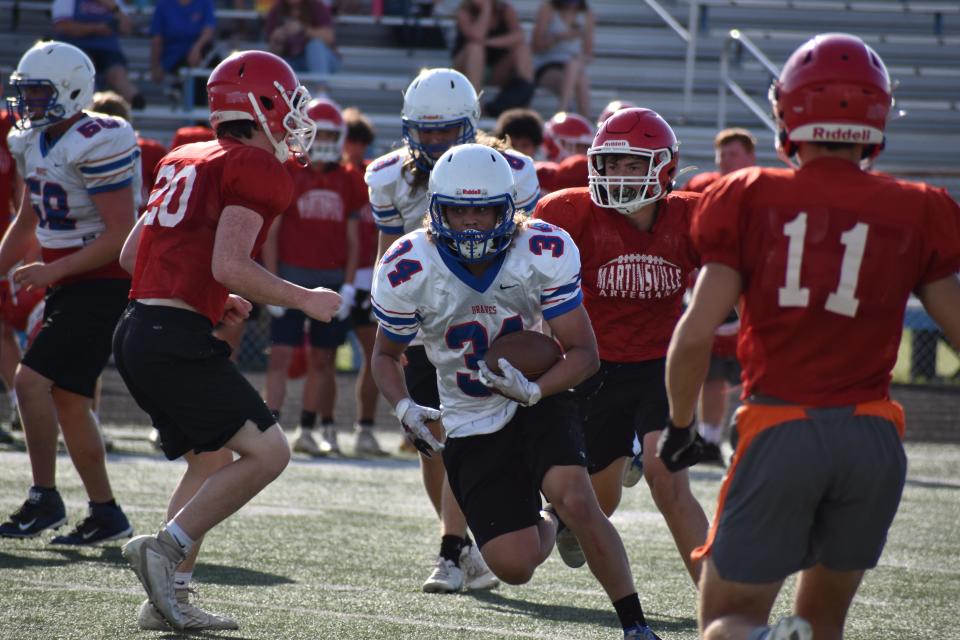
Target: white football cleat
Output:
[
  {"x": 476, "y": 574},
  {"x": 328, "y": 441},
  {"x": 367, "y": 444},
  {"x": 634, "y": 472},
  {"x": 790, "y": 628},
  {"x": 446, "y": 577},
  {"x": 194, "y": 618},
  {"x": 304, "y": 443},
  {"x": 154, "y": 559}
]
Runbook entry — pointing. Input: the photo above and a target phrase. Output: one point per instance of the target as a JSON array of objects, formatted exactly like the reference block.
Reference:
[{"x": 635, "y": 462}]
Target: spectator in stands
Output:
[
  {"x": 94, "y": 26},
  {"x": 733, "y": 149},
  {"x": 301, "y": 31},
  {"x": 522, "y": 129},
  {"x": 491, "y": 40},
  {"x": 563, "y": 49},
  {"x": 183, "y": 34}
]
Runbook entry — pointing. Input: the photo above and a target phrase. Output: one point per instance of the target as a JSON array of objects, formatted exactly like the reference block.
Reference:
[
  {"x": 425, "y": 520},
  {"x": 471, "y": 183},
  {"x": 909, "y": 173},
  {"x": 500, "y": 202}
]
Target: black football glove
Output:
[{"x": 679, "y": 447}]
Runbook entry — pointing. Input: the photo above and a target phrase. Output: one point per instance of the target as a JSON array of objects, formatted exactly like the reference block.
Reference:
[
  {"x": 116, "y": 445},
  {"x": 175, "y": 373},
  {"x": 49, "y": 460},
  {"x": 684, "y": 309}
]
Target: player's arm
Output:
[
  {"x": 384, "y": 241},
  {"x": 688, "y": 358},
  {"x": 116, "y": 210},
  {"x": 353, "y": 248},
  {"x": 941, "y": 299},
  {"x": 233, "y": 267},
  {"x": 128, "y": 254},
  {"x": 20, "y": 235},
  {"x": 270, "y": 252},
  {"x": 581, "y": 358}
]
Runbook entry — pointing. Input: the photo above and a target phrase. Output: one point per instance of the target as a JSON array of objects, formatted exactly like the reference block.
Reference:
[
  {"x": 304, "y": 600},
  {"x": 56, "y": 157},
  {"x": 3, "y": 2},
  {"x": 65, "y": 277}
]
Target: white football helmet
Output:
[
  {"x": 472, "y": 175},
  {"x": 65, "y": 70},
  {"x": 438, "y": 99}
]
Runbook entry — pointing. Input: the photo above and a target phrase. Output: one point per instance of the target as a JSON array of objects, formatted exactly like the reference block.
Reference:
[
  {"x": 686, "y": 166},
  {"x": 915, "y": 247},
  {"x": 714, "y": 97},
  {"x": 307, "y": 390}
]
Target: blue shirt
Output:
[
  {"x": 87, "y": 12},
  {"x": 180, "y": 25}
]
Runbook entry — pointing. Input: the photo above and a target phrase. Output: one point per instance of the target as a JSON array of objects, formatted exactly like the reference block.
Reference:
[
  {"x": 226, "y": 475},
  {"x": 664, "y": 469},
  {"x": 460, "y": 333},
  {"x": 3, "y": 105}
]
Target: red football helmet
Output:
[
  {"x": 834, "y": 88},
  {"x": 564, "y": 133},
  {"x": 612, "y": 108},
  {"x": 259, "y": 86},
  {"x": 639, "y": 132},
  {"x": 189, "y": 135},
  {"x": 327, "y": 116}
]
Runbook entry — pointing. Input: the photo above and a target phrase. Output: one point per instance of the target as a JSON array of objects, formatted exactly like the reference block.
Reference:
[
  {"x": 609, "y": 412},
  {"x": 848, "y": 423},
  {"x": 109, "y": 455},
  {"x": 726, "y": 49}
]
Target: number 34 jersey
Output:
[
  {"x": 418, "y": 288},
  {"x": 828, "y": 256},
  {"x": 194, "y": 183},
  {"x": 99, "y": 153}
]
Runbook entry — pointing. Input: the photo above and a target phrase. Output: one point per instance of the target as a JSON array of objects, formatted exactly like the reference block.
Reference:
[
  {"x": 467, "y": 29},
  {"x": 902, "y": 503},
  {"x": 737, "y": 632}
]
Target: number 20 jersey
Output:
[
  {"x": 828, "y": 256},
  {"x": 418, "y": 288},
  {"x": 194, "y": 184},
  {"x": 99, "y": 153}
]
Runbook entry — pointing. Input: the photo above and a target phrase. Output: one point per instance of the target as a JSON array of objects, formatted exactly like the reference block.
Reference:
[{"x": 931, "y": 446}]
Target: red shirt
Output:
[
  {"x": 369, "y": 234},
  {"x": 546, "y": 175},
  {"x": 313, "y": 230},
  {"x": 570, "y": 173},
  {"x": 151, "y": 153},
  {"x": 823, "y": 327},
  {"x": 699, "y": 182},
  {"x": 633, "y": 281},
  {"x": 194, "y": 184},
  {"x": 8, "y": 172}
]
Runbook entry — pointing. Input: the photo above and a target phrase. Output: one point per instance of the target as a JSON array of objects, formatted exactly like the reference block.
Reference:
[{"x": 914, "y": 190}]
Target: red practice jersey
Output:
[
  {"x": 8, "y": 173},
  {"x": 633, "y": 281},
  {"x": 700, "y": 182},
  {"x": 313, "y": 230},
  {"x": 151, "y": 153},
  {"x": 194, "y": 184},
  {"x": 570, "y": 173},
  {"x": 828, "y": 255}
]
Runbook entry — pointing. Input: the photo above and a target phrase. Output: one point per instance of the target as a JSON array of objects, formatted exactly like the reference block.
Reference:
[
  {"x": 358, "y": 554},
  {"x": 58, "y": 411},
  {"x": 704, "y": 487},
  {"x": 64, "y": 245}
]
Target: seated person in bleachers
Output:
[
  {"x": 94, "y": 26},
  {"x": 301, "y": 31},
  {"x": 563, "y": 49},
  {"x": 182, "y": 34},
  {"x": 522, "y": 129},
  {"x": 491, "y": 41}
]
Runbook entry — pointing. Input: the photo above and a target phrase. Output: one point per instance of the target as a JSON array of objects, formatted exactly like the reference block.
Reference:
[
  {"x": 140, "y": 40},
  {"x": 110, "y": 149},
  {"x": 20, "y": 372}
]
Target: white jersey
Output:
[
  {"x": 399, "y": 208},
  {"x": 417, "y": 288},
  {"x": 98, "y": 153}
]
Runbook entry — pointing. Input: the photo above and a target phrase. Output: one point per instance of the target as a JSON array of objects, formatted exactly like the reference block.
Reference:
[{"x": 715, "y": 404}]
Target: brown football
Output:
[{"x": 529, "y": 351}]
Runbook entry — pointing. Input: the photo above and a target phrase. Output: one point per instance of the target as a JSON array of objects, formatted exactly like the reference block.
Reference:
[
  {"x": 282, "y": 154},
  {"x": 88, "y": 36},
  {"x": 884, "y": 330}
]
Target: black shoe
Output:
[
  {"x": 711, "y": 454},
  {"x": 42, "y": 510},
  {"x": 102, "y": 524}
]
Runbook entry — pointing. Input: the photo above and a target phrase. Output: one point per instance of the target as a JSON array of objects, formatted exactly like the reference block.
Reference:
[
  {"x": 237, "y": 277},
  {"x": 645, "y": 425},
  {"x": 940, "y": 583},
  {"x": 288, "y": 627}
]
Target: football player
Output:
[
  {"x": 315, "y": 243},
  {"x": 440, "y": 110},
  {"x": 821, "y": 259},
  {"x": 207, "y": 215},
  {"x": 82, "y": 175},
  {"x": 477, "y": 272},
  {"x": 633, "y": 232},
  {"x": 566, "y": 138}
]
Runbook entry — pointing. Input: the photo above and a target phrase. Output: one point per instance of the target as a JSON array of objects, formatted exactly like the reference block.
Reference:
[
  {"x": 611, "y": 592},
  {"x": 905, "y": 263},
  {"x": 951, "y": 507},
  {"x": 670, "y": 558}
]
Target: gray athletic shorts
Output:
[{"x": 808, "y": 486}]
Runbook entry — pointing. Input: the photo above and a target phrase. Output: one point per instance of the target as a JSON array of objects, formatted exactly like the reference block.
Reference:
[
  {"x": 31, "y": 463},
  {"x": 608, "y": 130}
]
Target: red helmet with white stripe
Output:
[{"x": 566, "y": 134}]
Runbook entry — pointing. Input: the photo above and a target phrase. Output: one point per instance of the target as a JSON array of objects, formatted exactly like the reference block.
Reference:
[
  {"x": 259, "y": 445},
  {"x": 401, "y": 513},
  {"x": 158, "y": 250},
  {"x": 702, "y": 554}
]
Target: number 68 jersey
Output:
[{"x": 417, "y": 288}]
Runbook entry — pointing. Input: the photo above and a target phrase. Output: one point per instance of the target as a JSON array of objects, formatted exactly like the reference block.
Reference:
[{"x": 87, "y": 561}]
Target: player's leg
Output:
[
  {"x": 367, "y": 393},
  {"x": 732, "y": 610},
  {"x": 9, "y": 359},
  {"x": 823, "y": 598}
]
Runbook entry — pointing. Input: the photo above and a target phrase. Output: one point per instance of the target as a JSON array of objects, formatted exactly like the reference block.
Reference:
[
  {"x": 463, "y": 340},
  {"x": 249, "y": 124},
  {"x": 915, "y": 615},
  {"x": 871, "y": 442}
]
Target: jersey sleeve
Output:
[
  {"x": 556, "y": 261},
  {"x": 943, "y": 232},
  {"x": 396, "y": 290},
  {"x": 106, "y": 154},
  {"x": 381, "y": 178},
  {"x": 17, "y": 144},
  {"x": 716, "y": 223},
  {"x": 559, "y": 211},
  {"x": 525, "y": 179},
  {"x": 357, "y": 197},
  {"x": 244, "y": 177}
]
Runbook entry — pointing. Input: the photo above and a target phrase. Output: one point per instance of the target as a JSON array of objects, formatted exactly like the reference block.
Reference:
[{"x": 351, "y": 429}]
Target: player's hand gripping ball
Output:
[{"x": 531, "y": 352}]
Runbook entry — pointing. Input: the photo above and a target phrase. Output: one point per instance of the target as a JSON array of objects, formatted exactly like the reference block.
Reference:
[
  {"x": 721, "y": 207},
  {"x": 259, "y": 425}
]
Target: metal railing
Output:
[
  {"x": 688, "y": 36},
  {"x": 738, "y": 40}
]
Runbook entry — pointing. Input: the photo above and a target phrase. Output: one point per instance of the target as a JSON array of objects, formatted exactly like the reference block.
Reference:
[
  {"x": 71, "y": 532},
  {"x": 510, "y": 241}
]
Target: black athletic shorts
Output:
[
  {"x": 496, "y": 477},
  {"x": 182, "y": 376},
  {"x": 362, "y": 313},
  {"x": 421, "y": 377},
  {"x": 73, "y": 345},
  {"x": 621, "y": 400}
]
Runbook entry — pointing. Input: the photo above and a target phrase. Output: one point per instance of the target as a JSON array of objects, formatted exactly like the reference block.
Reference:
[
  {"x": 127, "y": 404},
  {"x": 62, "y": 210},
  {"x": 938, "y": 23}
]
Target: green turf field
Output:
[{"x": 338, "y": 549}]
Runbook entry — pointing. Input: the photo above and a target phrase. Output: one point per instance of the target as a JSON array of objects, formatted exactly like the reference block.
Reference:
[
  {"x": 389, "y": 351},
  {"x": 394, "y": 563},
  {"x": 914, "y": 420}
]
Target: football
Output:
[{"x": 529, "y": 351}]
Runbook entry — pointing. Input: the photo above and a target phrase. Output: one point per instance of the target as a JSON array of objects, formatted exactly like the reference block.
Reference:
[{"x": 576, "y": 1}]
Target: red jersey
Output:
[
  {"x": 828, "y": 255},
  {"x": 633, "y": 281},
  {"x": 313, "y": 230},
  {"x": 546, "y": 175},
  {"x": 572, "y": 172},
  {"x": 8, "y": 173},
  {"x": 194, "y": 184},
  {"x": 151, "y": 153},
  {"x": 699, "y": 182}
]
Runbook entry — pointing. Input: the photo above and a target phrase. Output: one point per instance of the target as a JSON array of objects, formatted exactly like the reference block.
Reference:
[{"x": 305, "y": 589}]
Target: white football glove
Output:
[
  {"x": 511, "y": 384},
  {"x": 348, "y": 296},
  {"x": 414, "y": 419}
]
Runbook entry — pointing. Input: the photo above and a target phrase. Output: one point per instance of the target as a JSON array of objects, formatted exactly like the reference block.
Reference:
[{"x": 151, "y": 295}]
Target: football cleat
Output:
[
  {"x": 154, "y": 559},
  {"x": 304, "y": 443},
  {"x": 790, "y": 628},
  {"x": 640, "y": 633},
  {"x": 446, "y": 577},
  {"x": 42, "y": 510},
  {"x": 102, "y": 524},
  {"x": 194, "y": 618},
  {"x": 367, "y": 444},
  {"x": 634, "y": 471},
  {"x": 476, "y": 574},
  {"x": 567, "y": 544},
  {"x": 328, "y": 441}
]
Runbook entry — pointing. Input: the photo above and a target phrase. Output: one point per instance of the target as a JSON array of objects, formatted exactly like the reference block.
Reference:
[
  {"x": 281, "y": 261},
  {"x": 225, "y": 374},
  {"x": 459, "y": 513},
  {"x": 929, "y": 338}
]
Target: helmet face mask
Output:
[
  {"x": 53, "y": 82},
  {"x": 472, "y": 175},
  {"x": 327, "y": 117},
  {"x": 639, "y": 133},
  {"x": 438, "y": 100}
]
